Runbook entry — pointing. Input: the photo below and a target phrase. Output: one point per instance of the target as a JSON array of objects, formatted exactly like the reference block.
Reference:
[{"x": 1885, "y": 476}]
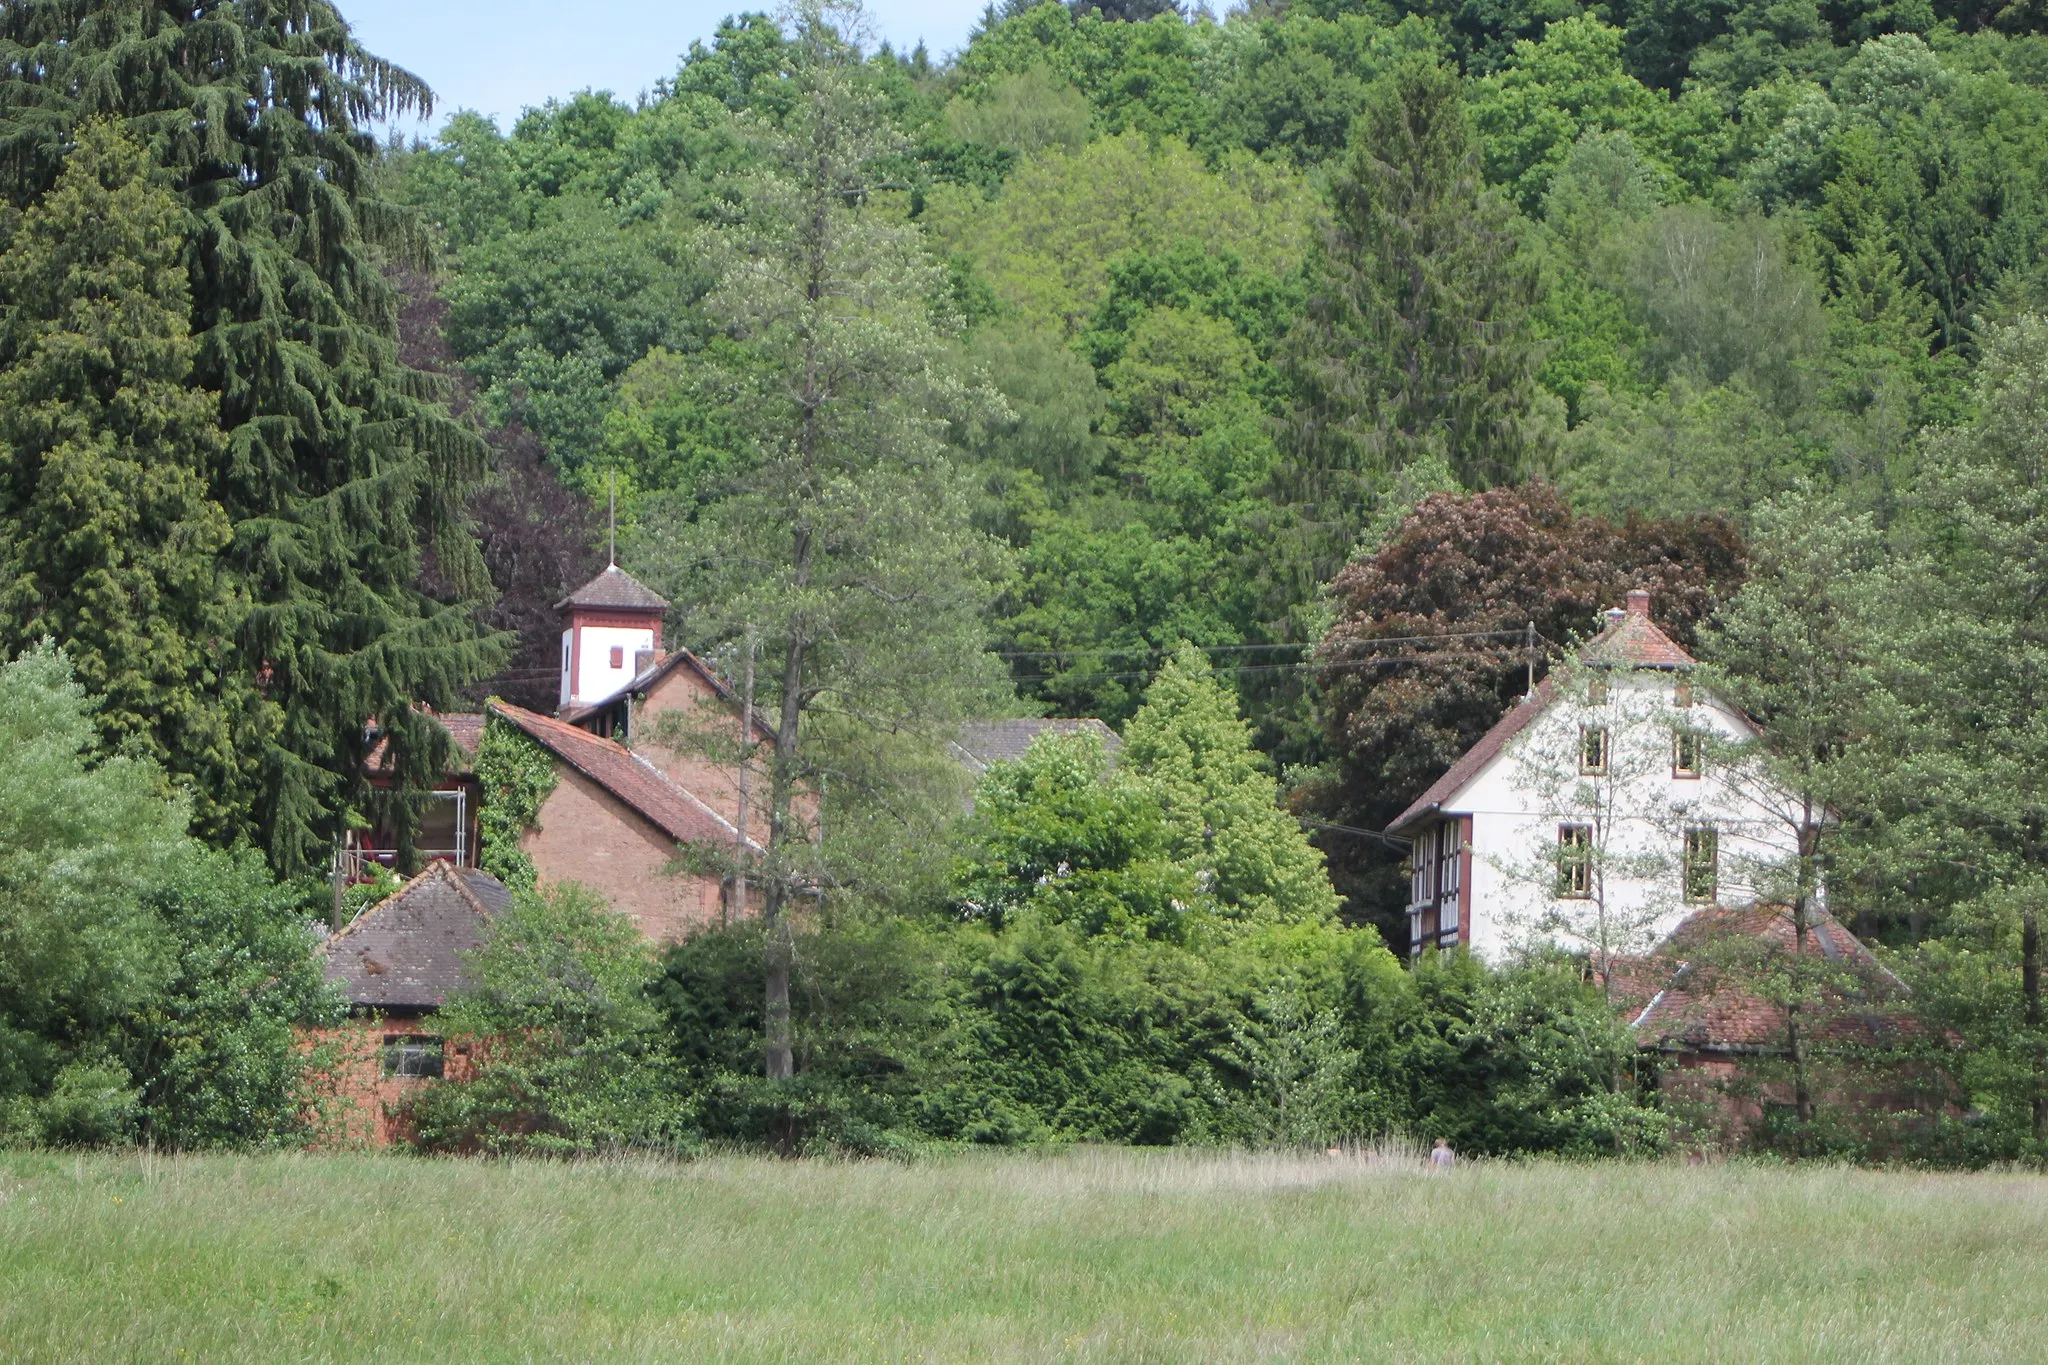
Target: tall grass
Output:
[{"x": 1082, "y": 1255}]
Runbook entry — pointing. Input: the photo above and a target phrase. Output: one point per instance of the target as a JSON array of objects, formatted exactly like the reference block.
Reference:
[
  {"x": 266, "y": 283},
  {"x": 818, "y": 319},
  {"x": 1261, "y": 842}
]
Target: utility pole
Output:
[{"x": 739, "y": 880}]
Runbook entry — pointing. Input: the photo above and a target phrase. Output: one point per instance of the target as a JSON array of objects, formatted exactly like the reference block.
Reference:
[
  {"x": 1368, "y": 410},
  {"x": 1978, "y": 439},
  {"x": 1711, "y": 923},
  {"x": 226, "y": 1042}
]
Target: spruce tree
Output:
[
  {"x": 109, "y": 541},
  {"x": 1190, "y": 746},
  {"x": 1415, "y": 341},
  {"x": 340, "y": 471}
]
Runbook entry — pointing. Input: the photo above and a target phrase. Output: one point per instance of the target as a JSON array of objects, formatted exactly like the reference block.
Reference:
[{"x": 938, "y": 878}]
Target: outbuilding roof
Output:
[
  {"x": 631, "y": 779},
  {"x": 986, "y": 742},
  {"x": 617, "y": 590},
  {"x": 651, "y": 676},
  {"x": 405, "y": 952},
  {"x": 1698, "y": 991}
]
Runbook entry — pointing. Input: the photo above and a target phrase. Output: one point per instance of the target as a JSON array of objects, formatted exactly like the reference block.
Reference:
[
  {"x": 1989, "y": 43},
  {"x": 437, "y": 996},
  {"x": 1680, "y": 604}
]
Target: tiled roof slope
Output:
[
  {"x": 640, "y": 785},
  {"x": 1477, "y": 757},
  {"x": 405, "y": 952},
  {"x": 1688, "y": 995},
  {"x": 617, "y": 589},
  {"x": 986, "y": 742},
  {"x": 465, "y": 727},
  {"x": 1630, "y": 639}
]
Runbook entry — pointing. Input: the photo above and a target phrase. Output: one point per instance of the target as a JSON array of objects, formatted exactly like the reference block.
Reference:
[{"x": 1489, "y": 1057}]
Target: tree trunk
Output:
[
  {"x": 2030, "y": 989},
  {"x": 1795, "y": 1044},
  {"x": 781, "y": 947}
]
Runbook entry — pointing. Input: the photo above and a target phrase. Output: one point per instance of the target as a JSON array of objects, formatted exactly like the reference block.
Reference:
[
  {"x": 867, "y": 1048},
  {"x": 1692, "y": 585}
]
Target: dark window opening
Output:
[
  {"x": 413, "y": 1055},
  {"x": 1575, "y": 861}
]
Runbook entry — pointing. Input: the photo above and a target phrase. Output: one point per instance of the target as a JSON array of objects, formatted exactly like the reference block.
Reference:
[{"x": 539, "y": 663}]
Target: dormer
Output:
[{"x": 611, "y": 631}]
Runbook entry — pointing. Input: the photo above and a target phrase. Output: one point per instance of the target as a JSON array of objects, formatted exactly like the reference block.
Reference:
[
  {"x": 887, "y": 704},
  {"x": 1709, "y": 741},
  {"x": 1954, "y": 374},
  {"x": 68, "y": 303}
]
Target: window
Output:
[
  {"x": 1681, "y": 693},
  {"x": 618, "y": 656},
  {"x": 1575, "y": 861},
  {"x": 1688, "y": 754},
  {"x": 412, "y": 1055},
  {"x": 1702, "y": 863},
  {"x": 1592, "y": 748},
  {"x": 1596, "y": 692}
]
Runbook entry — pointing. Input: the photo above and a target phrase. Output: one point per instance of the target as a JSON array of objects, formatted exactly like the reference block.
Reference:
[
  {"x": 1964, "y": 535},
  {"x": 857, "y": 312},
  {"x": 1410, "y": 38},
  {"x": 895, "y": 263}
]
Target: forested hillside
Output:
[
  {"x": 1251, "y": 288},
  {"x": 1288, "y": 390}
]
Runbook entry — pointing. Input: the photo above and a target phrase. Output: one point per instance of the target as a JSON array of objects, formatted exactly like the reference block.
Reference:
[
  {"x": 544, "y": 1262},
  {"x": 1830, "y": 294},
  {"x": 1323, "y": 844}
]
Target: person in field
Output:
[{"x": 1441, "y": 1157}]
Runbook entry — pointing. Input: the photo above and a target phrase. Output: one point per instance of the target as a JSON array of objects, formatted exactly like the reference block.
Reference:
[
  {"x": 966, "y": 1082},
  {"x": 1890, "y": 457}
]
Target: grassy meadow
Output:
[{"x": 1082, "y": 1255}]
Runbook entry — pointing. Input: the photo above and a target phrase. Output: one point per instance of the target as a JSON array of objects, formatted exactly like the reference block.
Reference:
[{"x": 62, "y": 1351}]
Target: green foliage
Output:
[
  {"x": 515, "y": 776},
  {"x": 1419, "y": 262},
  {"x": 1046, "y": 245},
  {"x": 340, "y": 470},
  {"x": 1193, "y": 753},
  {"x": 564, "y": 1050},
  {"x": 148, "y": 988},
  {"x": 1529, "y": 1059},
  {"x": 113, "y": 542},
  {"x": 1063, "y": 837}
]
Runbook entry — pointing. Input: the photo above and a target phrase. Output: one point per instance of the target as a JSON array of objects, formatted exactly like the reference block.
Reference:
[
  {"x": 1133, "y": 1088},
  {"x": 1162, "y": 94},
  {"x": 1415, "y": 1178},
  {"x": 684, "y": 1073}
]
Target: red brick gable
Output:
[{"x": 624, "y": 775}]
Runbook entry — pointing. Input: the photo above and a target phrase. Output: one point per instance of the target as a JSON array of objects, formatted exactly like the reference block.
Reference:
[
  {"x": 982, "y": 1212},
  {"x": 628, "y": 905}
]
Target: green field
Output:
[{"x": 1089, "y": 1255}]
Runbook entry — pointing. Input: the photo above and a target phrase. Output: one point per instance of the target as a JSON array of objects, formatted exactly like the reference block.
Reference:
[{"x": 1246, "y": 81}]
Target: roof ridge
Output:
[{"x": 438, "y": 866}]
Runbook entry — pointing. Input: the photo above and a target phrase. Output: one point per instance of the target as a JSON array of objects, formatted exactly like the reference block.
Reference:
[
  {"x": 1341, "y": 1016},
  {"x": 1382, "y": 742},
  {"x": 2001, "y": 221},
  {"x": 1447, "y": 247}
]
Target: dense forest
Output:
[{"x": 1284, "y": 389}]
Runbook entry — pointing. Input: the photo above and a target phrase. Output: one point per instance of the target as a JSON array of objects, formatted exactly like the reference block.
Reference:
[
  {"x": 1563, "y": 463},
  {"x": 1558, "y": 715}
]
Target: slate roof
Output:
[
  {"x": 405, "y": 951},
  {"x": 1630, "y": 639},
  {"x": 617, "y": 590},
  {"x": 631, "y": 779},
  {"x": 986, "y": 742},
  {"x": 465, "y": 727},
  {"x": 1689, "y": 996}
]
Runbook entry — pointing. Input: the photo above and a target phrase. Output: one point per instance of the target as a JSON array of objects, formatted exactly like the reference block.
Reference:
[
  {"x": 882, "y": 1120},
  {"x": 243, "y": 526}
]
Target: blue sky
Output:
[{"x": 498, "y": 56}]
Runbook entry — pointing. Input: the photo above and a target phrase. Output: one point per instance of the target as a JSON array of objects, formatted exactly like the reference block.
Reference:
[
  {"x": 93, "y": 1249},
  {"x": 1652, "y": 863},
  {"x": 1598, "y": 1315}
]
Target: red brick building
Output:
[
  {"x": 636, "y": 799},
  {"x": 397, "y": 963}
]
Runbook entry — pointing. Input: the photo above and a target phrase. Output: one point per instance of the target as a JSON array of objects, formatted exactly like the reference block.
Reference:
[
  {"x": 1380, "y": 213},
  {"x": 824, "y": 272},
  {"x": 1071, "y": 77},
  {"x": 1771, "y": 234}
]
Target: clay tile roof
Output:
[
  {"x": 465, "y": 727},
  {"x": 1688, "y": 994},
  {"x": 986, "y": 742},
  {"x": 634, "y": 781},
  {"x": 1477, "y": 757},
  {"x": 616, "y": 589},
  {"x": 1631, "y": 639},
  {"x": 405, "y": 952}
]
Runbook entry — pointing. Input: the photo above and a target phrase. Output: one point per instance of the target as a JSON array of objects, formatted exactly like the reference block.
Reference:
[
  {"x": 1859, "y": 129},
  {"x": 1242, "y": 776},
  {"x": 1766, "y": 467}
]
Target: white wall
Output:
[
  {"x": 596, "y": 679},
  {"x": 1640, "y": 811}
]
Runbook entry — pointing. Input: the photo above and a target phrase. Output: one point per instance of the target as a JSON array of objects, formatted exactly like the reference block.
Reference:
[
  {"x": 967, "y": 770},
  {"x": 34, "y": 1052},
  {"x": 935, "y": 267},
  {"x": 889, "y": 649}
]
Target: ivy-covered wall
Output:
[{"x": 516, "y": 776}]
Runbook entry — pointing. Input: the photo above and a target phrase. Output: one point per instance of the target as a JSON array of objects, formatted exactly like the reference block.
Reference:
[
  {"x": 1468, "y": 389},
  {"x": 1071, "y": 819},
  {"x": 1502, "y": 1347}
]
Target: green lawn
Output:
[{"x": 1091, "y": 1255}]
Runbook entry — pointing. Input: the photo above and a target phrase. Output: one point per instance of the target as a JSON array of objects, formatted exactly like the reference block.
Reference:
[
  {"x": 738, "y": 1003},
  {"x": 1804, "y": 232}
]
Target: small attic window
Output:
[
  {"x": 1592, "y": 749},
  {"x": 618, "y": 656},
  {"x": 1681, "y": 692},
  {"x": 1596, "y": 690},
  {"x": 1688, "y": 754}
]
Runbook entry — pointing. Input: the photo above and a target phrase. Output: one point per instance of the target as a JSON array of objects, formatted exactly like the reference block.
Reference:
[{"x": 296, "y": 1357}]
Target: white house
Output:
[{"x": 1598, "y": 814}]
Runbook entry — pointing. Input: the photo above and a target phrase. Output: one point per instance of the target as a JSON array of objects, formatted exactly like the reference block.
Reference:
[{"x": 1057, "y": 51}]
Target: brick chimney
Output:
[{"x": 1639, "y": 603}]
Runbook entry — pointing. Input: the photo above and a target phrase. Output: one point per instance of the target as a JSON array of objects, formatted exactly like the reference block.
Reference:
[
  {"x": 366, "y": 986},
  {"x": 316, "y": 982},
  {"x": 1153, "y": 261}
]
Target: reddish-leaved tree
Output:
[{"x": 1399, "y": 714}]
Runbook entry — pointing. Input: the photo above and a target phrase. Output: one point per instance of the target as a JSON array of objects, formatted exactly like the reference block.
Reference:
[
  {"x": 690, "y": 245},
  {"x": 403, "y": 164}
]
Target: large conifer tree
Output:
[
  {"x": 339, "y": 468},
  {"x": 1415, "y": 341},
  {"x": 108, "y": 539}
]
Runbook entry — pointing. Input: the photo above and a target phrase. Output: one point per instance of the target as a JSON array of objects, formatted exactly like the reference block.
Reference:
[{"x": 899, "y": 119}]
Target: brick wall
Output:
[
  {"x": 684, "y": 694},
  {"x": 587, "y": 835},
  {"x": 356, "y": 1104}
]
